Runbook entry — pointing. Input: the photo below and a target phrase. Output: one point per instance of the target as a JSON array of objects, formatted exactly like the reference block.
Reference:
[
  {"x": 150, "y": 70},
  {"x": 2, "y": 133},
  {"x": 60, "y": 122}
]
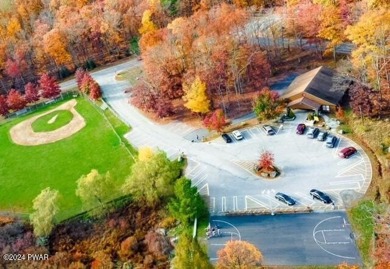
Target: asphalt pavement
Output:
[{"x": 291, "y": 239}]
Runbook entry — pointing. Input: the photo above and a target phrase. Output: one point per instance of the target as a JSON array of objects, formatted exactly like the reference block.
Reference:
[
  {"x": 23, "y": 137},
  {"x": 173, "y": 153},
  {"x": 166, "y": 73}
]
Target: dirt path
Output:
[{"x": 23, "y": 133}]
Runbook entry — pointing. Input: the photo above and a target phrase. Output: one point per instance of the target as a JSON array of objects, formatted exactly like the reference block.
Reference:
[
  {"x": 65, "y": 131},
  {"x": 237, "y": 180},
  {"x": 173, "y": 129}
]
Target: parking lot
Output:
[{"x": 304, "y": 163}]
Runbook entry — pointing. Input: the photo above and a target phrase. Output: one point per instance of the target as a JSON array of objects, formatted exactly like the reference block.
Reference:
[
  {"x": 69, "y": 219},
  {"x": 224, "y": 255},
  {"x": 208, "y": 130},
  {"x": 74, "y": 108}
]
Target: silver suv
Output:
[
  {"x": 312, "y": 132},
  {"x": 331, "y": 141}
]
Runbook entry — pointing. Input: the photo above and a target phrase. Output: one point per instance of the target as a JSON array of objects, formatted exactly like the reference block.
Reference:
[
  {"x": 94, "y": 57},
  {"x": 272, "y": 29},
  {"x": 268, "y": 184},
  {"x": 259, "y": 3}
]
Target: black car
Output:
[
  {"x": 285, "y": 198},
  {"x": 319, "y": 195},
  {"x": 227, "y": 138},
  {"x": 331, "y": 141}
]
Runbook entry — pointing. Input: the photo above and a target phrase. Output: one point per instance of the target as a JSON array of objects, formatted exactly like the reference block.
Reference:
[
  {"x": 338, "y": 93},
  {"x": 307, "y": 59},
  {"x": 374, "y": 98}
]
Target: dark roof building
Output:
[{"x": 314, "y": 90}]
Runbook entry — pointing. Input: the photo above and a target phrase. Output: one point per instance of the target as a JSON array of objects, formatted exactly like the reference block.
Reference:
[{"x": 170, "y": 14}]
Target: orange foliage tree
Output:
[{"x": 239, "y": 254}]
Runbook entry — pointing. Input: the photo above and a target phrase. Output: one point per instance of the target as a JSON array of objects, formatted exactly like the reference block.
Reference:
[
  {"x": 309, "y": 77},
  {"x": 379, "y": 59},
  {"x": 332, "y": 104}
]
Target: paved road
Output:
[
  {"x": 299, "y": 239},
  {"x": 224, "y": 172}
]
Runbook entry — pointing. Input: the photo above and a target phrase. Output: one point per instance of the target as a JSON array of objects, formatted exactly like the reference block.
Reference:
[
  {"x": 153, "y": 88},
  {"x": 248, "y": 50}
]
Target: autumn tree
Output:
[
  {"x": 267, "y": 105},
  {"x": 189, "y": 254},
  {"x": 79, "y": 75},
  {"x": 45, "y": 208},
  {"x": 239, "y": 254},
  {"x": 215, "y": 121},
  {"x": 48, "y": 86},
  {"x": 54, "y": 43},
  {"x": 94, "y": 90},
  {"x": 15, "y": 100},
  {"x": 95, "y": 190},
  {"x": 366, "y": 102},
  {"x": 340, "y": 113},
  {"x": 187, "y": 204},
  {"x": 332, "y": 27},
  {"x": 3, "y": 106},
  {"x": 196, "y": 98},
  {"x": 14, "y": 68},
  {"x": 153, "y": 179},
  {"x": 31, "y": 93},
  {"x": 147, "y": 23},
  {"x": 266, "y": 162},
  {"x": 371, "y": 56}
]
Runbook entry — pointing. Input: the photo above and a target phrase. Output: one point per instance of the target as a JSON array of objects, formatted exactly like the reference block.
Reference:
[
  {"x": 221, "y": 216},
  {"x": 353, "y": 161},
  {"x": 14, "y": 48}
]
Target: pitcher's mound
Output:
[{"x": 23, "y": 133}]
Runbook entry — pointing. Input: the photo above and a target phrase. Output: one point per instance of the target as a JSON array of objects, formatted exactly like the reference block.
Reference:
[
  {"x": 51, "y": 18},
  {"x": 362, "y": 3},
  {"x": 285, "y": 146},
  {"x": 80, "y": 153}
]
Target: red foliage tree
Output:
[
  {"x": 266, "y": 161},
  {"x": 79, "y": 75},
  {"x": 86, "y": 82},
  {"x": 94, "y": 90},
  {"x": 15, "y": 100},
  {"x": 12, "y": 68},
  {"x": 215, "y": 121},
  {"x": 163, "y": 108},
  {"x": 367, "y": 102},
  {"x": 143, "y": 97},
  {"x": 49, "y": 86},
  {"x": 3, "y": 105},
  {"x": 31, "y": 93}
]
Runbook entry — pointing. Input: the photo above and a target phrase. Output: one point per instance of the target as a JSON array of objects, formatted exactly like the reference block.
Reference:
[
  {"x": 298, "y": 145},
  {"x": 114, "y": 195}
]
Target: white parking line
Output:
[
  {"x": 197, "y": 183},
  {"x": 212, "y": 203},
  {"x": 223, "y": 205},
  {"x": 206, "y": 188},
  {"x": 235, "y": 204},
  {"x": 256, "y": 201}
]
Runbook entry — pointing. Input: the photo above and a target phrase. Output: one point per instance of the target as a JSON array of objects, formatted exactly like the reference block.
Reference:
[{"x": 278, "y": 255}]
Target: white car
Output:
[{"x": 237, "y": 135}]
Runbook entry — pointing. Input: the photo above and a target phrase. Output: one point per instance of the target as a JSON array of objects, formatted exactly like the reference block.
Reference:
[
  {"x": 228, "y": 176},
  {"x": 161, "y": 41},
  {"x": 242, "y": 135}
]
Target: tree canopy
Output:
[{"x": 152, "y": 179}]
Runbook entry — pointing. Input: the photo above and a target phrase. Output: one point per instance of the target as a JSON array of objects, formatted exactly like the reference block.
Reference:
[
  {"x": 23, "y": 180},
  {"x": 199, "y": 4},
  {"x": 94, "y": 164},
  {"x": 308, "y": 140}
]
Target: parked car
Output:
[
  {"x": 319, "y": 195},
  {"x": 227, "y": 138},
  {"x": 312, "y": 132},
  {"x": 331, "y": 141},
  {"x": 322, "y": 135},
  {"x": 268, "y": 130},
  {"x": 301, "y": 129},
  {"x": 285, "y": 198},
  {"x": 237, "y": 135},
  {"x": 347, "y": 152}
]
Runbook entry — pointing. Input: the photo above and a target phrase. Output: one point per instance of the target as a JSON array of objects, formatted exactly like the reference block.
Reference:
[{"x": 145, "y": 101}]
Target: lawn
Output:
[
  {"x": 26, "y": 170},
  {"x": 61, "y": 118}
]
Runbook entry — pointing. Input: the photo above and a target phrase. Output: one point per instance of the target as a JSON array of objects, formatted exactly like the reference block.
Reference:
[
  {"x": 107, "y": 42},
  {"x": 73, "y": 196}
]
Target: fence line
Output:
[{"x": 99, "y": 109}]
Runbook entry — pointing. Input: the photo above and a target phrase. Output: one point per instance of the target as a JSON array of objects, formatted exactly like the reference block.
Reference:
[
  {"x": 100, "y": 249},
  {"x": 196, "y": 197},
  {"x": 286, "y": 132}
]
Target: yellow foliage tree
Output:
[
  {"x": 145, "y": 154},
  {"x": 13, "y": 27},
  {"x": 331, "y": 28},
  {"x": 45, "y": 208},
  {"x": 95, "y": 190},
  {"x": 147, "y": 23},
  {"x": 196, "y": 97},
  {"x": 370, "y": 35}
]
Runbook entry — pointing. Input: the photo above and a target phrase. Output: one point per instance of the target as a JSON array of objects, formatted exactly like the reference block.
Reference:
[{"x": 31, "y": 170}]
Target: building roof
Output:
[
  {"x": 305, "y": 103},
  {"x": 317, "y": 82}
]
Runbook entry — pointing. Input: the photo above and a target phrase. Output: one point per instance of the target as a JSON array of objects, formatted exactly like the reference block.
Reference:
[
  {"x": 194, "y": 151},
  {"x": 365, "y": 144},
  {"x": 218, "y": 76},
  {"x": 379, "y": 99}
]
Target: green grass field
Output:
[
  {"x": 42, "y": 124},
  {"x": 26, "y": 170}
]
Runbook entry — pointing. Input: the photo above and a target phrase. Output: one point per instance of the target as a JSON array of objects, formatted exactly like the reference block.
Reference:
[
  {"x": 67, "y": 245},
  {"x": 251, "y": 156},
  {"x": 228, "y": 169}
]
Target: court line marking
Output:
[{"x": 318, "y": 244}]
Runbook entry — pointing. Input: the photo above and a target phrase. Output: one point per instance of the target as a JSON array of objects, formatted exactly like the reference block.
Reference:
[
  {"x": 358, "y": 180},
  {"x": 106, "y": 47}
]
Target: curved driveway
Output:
[{"x": 224, "y": 171}]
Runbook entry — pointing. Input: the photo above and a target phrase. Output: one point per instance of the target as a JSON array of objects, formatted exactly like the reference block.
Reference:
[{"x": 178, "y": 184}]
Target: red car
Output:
[
  {"x": 301, "y": 128},
  {"x": 347, "y": 152}
]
